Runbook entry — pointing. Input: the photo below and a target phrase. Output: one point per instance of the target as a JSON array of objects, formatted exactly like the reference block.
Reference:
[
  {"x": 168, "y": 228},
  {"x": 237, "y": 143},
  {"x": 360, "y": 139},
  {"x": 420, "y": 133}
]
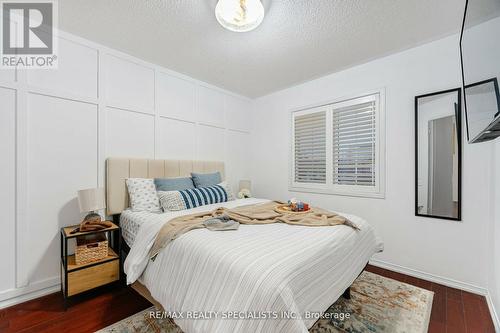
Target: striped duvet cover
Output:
[{"x": 259, "y": 278}]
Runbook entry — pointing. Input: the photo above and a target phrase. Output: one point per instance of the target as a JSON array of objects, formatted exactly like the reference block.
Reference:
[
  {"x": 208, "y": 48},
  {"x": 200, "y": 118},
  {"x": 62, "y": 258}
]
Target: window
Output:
[
  {"x": 337, "y": 148},
  {"x": 310, "y": 147}
]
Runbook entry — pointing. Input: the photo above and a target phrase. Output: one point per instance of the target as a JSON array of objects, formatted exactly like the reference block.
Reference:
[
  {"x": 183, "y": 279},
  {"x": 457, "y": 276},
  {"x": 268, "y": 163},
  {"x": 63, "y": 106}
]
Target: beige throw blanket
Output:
[{"x": 250, "y": 214}]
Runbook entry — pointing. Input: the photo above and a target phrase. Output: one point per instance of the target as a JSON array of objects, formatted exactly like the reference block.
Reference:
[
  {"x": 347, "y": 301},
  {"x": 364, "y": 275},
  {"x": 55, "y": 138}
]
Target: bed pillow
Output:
[
  {"x": 195, "y": 197},
  {"x": 142, "y": 194},
  {"x": 173, "y": 184},
  {"x": 227, "y": 188},
  {"x": 206, "y": 179}
]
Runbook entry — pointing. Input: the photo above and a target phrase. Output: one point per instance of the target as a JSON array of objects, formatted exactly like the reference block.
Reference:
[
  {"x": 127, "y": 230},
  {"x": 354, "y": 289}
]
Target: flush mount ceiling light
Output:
[{"x": 239, "y": 15}]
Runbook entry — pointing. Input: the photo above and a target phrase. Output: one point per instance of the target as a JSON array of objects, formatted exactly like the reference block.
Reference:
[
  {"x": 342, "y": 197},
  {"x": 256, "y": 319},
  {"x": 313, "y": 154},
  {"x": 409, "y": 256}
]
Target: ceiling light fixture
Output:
[{"x": 239, "y": 15}]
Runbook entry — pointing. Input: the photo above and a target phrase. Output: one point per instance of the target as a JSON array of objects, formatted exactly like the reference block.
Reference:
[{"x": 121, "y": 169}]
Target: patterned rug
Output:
[{"x": 377, "y": 304}]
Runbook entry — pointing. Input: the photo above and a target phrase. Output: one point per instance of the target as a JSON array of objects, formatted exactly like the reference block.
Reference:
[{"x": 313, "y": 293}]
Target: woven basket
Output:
[{"x": 90, "y": 248}]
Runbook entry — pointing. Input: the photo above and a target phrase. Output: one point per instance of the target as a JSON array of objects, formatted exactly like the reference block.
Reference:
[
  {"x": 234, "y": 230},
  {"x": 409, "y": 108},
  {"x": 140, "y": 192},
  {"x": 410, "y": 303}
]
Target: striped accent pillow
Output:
[{"x": 194, "y": 197}]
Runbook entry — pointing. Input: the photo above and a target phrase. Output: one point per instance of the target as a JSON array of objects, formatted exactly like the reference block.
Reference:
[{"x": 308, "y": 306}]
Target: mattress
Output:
[
  {"x": 130, "y": 222},
  {"x": 259, "y": 278}
]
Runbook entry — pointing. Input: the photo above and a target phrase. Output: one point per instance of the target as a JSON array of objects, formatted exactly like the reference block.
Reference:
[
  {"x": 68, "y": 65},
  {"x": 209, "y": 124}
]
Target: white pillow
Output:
[
  {"x": 194, "y": 197},
  {"x": 142, "y": 194},
  {"x": 171, "y": 201},
  {"x": 229, "y": 191}
]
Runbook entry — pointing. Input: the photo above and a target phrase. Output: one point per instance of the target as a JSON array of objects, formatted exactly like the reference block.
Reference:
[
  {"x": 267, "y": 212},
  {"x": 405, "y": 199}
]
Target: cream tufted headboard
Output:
[{"x": 119, "y": 169}]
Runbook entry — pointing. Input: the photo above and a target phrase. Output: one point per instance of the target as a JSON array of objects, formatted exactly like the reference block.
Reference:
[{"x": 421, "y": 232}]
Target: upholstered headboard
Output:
[{"x": 119, "y": 169}]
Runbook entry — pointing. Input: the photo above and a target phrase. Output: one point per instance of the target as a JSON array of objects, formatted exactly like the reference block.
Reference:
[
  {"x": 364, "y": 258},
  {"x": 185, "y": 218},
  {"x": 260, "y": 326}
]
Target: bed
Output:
[{"x": 259, "y": 278}]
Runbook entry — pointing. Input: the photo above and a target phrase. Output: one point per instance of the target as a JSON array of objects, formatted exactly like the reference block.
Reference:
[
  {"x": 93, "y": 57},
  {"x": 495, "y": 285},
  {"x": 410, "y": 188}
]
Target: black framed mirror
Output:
[{"x": 438, "y": 155}]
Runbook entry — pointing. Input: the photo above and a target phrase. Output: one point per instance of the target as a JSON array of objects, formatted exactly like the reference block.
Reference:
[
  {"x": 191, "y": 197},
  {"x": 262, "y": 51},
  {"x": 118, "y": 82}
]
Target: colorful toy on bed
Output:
[{"x": 297, "y": 206}]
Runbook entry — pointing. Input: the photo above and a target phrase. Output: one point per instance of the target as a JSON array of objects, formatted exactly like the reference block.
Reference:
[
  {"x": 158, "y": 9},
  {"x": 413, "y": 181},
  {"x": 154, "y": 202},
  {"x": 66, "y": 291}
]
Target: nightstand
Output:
[{"x": 76, "y": 279}]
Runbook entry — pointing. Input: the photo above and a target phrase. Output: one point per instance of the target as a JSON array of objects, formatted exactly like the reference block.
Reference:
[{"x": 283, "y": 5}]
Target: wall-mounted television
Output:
[{"x": 480, "y": 57}]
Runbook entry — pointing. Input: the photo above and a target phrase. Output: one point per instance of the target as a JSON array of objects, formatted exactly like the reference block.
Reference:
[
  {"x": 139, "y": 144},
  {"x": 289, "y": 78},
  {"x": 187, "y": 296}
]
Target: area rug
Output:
[{"x": 377, "y": 304}]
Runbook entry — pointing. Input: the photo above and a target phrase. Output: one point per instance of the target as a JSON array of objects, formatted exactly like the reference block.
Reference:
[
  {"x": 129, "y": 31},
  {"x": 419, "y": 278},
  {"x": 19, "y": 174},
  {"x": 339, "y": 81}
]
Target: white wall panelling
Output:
[
  {"x": 210, "y": 144},
  {"x": 7, "y": 184},
  {"x": 238, "y": 114},
  {"x": 210, "y": 106},
  {"x": 58, "y": 127},
  {"x": 62, "y": 155},
  {"x": 177, "y": 139},
  {"x": 176, "y": 97},
  {"x": 129, "y": 85},
  {"x": 21, "y": 239},
  {"x": 7, "y": 75},
  {"x": 129, "y": 133},
  {"x": 76, "y": 73},
  {"x": 238, "y": 148}
]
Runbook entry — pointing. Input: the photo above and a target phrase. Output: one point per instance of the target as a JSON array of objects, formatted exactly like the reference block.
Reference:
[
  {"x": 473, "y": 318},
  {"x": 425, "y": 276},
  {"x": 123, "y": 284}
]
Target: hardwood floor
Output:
[
  {"x": 87, "y": 314},
  {"x": 453, "y": 310}
]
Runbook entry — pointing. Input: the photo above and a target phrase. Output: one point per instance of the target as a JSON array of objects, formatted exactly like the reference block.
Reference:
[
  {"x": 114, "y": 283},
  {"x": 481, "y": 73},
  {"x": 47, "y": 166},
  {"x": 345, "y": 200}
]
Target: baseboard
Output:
[
  {"x": 38, "y": 289},
  {"x": 493, "y": 312},
  {"x": 430, "y": 277}
]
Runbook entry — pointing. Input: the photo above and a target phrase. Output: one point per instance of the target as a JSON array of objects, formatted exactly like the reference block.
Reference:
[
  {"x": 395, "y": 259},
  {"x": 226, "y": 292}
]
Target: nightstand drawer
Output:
[{"x": 92, "y": 277}]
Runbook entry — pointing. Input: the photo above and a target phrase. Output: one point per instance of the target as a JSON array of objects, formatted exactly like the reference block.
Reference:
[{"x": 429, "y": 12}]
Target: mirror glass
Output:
[{"x": 438, "y": 155}]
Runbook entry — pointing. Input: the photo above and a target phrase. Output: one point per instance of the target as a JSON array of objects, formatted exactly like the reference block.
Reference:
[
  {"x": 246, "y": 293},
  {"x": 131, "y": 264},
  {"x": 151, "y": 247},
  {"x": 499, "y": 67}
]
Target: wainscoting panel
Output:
[
  {"x": 210, "y": 106},
  {"x": 76, "y": 73},
  {"x": 175, "y": 98},
  {"x": 238, "y": 114},
  {"x": 129, "y": 134},
  {"x": 62, "y": 155},
  {"x": 177, "y": 139},
  {"x": 237, "y": 152},
  {"x": 129, "y": 85},
  {"x": 211, "y": 143},
  {"x": 8, "y": 187},
  {"x": 7, "y": 75},
  {"x": 58, "y": 128}
]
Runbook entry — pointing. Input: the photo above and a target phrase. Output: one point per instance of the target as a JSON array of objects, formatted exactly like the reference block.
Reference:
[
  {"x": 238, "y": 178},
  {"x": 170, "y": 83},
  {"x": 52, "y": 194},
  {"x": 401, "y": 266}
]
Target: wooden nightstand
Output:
[{"x": 76, "y": 279}]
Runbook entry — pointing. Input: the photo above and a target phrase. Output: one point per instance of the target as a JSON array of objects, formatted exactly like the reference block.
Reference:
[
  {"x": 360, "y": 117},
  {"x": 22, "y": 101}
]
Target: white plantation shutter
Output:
[
  {"x": 337, "y": 148},
  {"x": 310, "y": 148},
  {"x": 354, "y": 142}
]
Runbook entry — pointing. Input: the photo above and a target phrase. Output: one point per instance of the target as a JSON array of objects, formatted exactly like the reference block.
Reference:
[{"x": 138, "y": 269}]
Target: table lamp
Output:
[
  {"x": 244, "y": 188},
  {"x": 245, "y": 184},
  {"x": 90, "y": 201}
]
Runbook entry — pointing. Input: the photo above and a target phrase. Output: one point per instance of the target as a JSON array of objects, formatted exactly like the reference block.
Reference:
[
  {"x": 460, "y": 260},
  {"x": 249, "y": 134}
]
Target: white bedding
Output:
[
  {"x": 130, "y": 223},
  {"x": 264, "y": 271}
]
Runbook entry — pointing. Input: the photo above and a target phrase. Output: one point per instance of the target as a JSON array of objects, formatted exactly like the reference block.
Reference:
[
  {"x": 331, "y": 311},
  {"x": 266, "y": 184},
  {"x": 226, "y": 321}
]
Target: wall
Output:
[
  {"x": 494, "y": 237},
  {"x": 58, "y": 127},
  {"x": 482, "y": 53},
  {"x": 455, "y": 253}
]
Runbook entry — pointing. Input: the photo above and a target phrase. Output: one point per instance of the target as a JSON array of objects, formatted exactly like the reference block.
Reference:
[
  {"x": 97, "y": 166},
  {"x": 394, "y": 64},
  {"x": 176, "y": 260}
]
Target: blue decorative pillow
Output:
[
  {"x": 173, "y": 184},
  {"x": 191, "y": 198},
  {"x": 206, "y": 179}
]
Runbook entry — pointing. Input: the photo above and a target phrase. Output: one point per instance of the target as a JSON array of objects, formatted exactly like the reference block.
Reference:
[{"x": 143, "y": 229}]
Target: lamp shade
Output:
[
  {"x": 239, "y": 15},
  {"x": 91, "y": 199},
  {"x": 245, "y": 184}
]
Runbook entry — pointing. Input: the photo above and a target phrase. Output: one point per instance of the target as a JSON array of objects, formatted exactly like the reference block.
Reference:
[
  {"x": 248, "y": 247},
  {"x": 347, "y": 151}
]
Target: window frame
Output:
[{"x": 377, "y": 191}]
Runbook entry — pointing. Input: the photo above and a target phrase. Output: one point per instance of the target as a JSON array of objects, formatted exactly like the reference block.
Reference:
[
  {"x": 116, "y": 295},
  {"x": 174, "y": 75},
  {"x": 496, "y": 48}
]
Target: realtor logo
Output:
[{"x": 28, "y": 34}]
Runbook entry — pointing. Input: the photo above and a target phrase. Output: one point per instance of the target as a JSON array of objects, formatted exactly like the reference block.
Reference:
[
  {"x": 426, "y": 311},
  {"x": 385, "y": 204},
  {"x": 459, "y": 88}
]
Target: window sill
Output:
[{"x": 371, "y": 195}]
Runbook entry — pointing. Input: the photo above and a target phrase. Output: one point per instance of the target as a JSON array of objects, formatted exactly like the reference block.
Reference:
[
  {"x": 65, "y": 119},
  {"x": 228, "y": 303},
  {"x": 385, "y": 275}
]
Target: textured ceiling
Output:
[{"x": 298, "y": 40}]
